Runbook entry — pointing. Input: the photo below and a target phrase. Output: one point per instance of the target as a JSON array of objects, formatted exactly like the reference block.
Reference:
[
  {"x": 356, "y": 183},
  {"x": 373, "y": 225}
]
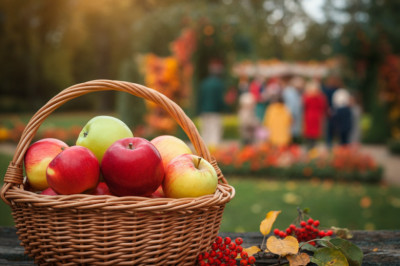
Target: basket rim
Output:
[{"x": 223, "y": 194}]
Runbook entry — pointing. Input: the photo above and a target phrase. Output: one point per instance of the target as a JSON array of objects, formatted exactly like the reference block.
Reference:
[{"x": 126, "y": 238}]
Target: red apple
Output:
[
  {"x": 170, "y": 147},
  {"x": 49, "y": 191},
  {"x": 102, "y": 189},
  {"x": 189, "y": 175},
  {"x": 132, "y": 167},
  {"x": 37, "y": 158},
  {"x": 159, "y": 193},
  {"x": 75, "y": 170}
]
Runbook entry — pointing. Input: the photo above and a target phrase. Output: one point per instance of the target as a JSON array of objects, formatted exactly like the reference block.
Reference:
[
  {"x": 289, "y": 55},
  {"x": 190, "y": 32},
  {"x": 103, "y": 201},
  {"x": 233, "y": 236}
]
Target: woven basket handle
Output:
[{"x": 14, "y": 173}]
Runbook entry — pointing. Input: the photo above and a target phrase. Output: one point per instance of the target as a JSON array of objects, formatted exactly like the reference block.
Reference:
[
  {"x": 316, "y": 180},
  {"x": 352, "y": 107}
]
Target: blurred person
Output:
[
  {"x": 278, "y": 121},
  {"x": 293, "y": 101},
  {"x": 342, "y": 115},
  {"x": 211, "y": 104},
  {"x": 315, "y": 108},
  {"x": 298, "y": 83},
  {"x": 243, "y": 84},
  {"x": 329, "y": 86},
  {"x": 272, "y": 90},
  {"x": 230, "y": 98},
  {"x": 356, "y": 111},
  {"x": 247, "y": 118},
  {"x": 256, "y": 88}
]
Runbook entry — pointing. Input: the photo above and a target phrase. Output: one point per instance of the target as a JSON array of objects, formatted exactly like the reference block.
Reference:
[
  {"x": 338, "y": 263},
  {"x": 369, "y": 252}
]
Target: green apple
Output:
[{"x": 100, "y": 132}]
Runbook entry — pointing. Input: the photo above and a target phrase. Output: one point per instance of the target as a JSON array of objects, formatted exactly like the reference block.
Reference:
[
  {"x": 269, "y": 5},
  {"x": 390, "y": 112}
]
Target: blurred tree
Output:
[
  {"x": 30, "y": 30},
  {"x": 130, "y": 109},
  {"x": 50, "y": 46},
  {"x": 105, "y": 44},
  {"x": 369, "y": 38}
]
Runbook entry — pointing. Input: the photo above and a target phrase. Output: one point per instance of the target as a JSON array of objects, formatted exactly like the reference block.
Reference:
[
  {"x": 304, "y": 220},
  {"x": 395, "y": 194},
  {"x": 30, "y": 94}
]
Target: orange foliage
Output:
[{"x": 171, "y": 76}]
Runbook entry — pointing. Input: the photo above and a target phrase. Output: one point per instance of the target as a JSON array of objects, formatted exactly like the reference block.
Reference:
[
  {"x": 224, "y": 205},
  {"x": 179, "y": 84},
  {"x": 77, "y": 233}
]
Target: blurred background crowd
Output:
[
  {"x": 267, "y": 83},
  {"x": 291, "y": 109}
]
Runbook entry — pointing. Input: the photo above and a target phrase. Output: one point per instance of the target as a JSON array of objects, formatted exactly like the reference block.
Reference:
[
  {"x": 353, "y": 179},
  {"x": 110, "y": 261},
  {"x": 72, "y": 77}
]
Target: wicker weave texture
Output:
[{"x": 109, "y": 230}]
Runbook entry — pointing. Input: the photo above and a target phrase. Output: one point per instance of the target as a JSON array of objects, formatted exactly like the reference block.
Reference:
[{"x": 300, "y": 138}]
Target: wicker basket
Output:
[{"x": 109, "y": 230}]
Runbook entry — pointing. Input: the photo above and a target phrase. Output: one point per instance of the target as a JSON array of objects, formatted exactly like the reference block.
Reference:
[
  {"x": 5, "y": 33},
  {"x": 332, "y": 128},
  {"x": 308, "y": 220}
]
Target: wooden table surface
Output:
[{"x": 379, "y": 247}]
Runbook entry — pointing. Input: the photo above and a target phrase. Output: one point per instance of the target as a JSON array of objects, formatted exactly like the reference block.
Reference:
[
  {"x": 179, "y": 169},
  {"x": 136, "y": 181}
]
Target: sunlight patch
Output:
[
  {"x": 365, "y": 202},
  {"x": 291, "y": 198},
  {"x": 291, "y": 185},
  {"x": 268, "y": 185},
  {"x": 327, "y": 184},
  {"x": 239, "y": 229},
  {"x": 395, "y": 202},
  {"x": 369, "y": 226},
  {"x": 256, "y": 208}
]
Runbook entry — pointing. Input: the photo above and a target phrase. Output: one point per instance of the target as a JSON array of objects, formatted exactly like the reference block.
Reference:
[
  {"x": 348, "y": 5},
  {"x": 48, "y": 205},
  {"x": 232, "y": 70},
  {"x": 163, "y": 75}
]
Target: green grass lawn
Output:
[
  {"x": 353, "y": 206},
  {"x": 62, "y": 120}
]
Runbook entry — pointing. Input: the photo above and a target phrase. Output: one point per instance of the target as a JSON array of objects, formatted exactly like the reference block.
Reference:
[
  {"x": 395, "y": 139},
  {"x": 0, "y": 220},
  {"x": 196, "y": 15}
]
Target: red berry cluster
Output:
[
  {"x": 305, "y": 232},
  {"x": 224, "y": 252}
]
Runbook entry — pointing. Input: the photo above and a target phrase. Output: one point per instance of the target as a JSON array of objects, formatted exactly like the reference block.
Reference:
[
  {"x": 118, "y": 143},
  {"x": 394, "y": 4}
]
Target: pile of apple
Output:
[{"x": 108, "y": 160}]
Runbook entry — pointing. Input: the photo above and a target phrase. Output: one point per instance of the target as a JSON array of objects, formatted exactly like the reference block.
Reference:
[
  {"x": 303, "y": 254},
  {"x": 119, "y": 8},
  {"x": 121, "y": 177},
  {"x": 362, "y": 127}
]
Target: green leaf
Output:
[
  {"x": 329, "y": 257},
  {"x": 308, "y": 247},
  {"x": 326, "y": 243},
  {"x": 353, "y": 253}
]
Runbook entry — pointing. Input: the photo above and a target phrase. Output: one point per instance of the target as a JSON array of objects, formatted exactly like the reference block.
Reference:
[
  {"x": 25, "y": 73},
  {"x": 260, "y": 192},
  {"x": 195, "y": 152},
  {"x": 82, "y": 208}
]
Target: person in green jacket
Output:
[{"x": 211, "y": 105}]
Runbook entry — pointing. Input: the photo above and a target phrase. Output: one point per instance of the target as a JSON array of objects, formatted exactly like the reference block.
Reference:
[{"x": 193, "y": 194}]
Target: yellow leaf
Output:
[
  {"x": 252, "y": 250},
  {"x": 266, "y": 224},
  {"x": 301, "y": 259},
  {"x": 282, "y": 247}
]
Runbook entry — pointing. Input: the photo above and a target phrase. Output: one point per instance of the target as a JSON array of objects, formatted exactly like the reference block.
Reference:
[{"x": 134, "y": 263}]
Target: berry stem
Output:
[
  {"x": 300, "y": 214},
  {"x": 262, "y": 243}
]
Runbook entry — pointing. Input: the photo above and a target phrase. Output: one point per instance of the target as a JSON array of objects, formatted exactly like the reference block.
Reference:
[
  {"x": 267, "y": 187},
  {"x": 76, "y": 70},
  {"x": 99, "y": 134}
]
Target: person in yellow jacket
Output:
[{"x": 278, "y": 121}]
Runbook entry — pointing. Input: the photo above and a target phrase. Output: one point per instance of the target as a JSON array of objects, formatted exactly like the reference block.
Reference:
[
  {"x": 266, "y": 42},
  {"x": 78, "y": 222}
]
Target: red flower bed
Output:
[{"x": 349, "y": 163}]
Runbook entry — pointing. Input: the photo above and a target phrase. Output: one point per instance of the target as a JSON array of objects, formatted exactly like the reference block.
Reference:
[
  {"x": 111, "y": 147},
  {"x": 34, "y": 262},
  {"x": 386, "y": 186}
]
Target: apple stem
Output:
[
  {"x": 85, "y": 134},
  {"x": 198, "y": 162},
  {"x": 130, "y": 145}
]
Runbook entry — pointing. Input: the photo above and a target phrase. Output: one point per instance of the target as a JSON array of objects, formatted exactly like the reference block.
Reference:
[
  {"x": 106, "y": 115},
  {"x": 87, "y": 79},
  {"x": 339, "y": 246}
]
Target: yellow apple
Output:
[
  {"x": 190, "y": 176},
  {"x": 170, "y": 147},
  {"x": 37, "y": 158}
]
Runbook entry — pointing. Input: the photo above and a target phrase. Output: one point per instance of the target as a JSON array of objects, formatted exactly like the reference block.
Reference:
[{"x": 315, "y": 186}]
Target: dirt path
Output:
[{"x": 390, "y": 163}]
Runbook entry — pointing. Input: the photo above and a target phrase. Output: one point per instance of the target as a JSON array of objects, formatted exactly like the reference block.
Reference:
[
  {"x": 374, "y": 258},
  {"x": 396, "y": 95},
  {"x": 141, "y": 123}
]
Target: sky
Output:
[{"x": 314, "y": 9}]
